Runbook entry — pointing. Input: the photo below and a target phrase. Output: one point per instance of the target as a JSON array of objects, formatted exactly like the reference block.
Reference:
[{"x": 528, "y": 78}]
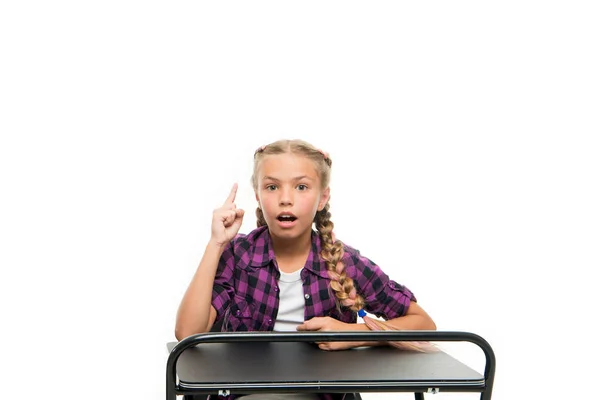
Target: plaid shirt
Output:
[{"x": 246, "y": 293}]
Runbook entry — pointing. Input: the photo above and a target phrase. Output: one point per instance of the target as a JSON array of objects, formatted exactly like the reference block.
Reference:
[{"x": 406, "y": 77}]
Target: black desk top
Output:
[{"x": 303, "y": 366}]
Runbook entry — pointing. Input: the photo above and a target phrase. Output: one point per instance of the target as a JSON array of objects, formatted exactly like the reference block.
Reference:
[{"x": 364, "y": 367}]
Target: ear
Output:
[
  {"x": 324, "y": 198},
  {"x": 257, "y": 199}
]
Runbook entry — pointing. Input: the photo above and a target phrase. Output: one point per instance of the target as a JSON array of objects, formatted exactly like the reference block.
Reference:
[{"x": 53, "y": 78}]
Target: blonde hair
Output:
[{"x": 332, "y": 251}]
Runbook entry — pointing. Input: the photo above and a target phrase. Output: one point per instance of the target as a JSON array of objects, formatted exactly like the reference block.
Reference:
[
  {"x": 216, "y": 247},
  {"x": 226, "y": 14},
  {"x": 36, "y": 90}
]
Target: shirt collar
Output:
[
  {"x": 314, "y": 263},
  {"x": 263, "y": 253},
  {"x": 262, "y": 249}
]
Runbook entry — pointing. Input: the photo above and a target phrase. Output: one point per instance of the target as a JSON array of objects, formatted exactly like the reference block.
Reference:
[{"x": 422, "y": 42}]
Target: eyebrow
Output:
[{"x": 298, "y": 178}]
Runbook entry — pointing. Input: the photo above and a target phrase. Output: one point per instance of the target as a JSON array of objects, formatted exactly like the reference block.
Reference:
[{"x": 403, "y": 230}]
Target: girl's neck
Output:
[{"x": 289, "y": 249}]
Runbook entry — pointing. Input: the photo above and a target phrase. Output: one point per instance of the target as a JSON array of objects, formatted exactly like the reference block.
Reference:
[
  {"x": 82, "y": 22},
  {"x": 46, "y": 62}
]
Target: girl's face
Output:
[{"x": 289, "y": 194}]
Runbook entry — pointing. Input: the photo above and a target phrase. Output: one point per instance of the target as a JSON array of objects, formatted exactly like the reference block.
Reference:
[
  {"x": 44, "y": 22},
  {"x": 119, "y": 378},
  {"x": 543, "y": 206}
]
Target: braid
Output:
[
  {"x": 332, "y": 252},
  {"x": 260, "y": 218}
]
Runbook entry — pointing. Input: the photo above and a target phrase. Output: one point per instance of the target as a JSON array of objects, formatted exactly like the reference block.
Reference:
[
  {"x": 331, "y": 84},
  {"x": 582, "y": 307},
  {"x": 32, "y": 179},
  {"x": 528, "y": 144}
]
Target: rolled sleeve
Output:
[
  {"x": 383, "y": 296},
  {"x": 223, "y": 289},
  {"x": 393, "y": 301}
]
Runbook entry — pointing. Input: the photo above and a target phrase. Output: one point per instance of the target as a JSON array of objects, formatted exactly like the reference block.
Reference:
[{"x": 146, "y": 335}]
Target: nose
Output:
[{"x": 286, "y": 197}]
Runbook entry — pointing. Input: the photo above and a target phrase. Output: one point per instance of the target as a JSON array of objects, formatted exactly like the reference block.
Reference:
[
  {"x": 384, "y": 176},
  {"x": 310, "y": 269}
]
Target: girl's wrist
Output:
[
  {"x": 215, "y": 245},
  {"x": 360, "y": 327}
]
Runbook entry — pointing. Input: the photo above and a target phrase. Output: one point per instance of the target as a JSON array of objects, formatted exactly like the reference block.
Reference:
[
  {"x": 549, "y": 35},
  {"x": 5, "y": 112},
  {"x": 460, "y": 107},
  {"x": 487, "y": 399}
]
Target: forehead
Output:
[{"x": 287, "y": 166}]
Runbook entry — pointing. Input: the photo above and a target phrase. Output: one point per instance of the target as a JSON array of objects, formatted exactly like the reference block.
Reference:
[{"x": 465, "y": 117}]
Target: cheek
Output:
[
  {"x": 267, "y": 206},
  {"x": 311, "y": 206}
]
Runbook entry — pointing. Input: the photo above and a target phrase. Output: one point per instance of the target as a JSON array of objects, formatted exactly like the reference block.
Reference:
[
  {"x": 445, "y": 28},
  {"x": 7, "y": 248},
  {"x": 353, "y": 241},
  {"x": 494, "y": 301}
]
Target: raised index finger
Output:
[{"x": 231, "y": 197}]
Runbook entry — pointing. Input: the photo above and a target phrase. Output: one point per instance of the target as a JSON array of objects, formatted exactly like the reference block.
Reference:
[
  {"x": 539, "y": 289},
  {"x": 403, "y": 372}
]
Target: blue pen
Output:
[{"x": 362, "y": 313}]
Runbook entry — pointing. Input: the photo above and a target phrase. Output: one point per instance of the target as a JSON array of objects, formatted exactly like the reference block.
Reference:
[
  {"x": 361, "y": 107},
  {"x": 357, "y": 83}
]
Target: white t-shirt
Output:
[
  {"x": 289, "y": 316},
  {"x": 291, "y": 302}
]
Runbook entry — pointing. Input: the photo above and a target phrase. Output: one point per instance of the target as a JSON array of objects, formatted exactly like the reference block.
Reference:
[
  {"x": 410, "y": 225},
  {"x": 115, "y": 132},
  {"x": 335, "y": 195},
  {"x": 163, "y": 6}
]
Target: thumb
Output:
[{"x": 238, "y": 218}]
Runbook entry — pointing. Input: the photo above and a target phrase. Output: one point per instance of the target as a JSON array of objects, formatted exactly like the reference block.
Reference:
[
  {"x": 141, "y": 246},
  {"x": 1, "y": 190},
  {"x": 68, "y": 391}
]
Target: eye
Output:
[
  {"x": 302, "y": 186},
  {"x": 271, "y": 187}
]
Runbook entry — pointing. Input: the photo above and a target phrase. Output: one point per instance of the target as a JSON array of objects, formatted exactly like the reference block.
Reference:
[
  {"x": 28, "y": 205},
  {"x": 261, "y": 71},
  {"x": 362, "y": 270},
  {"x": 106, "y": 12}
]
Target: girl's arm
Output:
[
  {"x": 195, "y": 313},
  {"x": 415, "y": 319}
]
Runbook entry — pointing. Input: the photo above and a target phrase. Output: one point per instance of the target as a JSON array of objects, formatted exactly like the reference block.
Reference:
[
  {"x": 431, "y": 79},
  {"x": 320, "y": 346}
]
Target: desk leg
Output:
[{"x": 419, "y": 396}]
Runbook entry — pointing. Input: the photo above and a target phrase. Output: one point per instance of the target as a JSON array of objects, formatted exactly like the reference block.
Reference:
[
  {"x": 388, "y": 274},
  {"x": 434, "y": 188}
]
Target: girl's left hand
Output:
[{"x": 328, "y": 324}]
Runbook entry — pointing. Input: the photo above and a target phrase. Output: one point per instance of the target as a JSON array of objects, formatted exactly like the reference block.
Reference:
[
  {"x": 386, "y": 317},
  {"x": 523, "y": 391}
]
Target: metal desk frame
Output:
[{"x": 173, "y": 387}]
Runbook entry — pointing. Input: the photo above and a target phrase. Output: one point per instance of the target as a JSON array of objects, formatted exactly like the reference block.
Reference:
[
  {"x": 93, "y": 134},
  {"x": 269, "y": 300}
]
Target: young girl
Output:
[{"x": 284, "y": 275}]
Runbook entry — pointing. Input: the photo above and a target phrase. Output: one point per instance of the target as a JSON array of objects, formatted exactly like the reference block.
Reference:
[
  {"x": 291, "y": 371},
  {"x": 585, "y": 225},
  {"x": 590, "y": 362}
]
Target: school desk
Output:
[{"x": 262, "y": 362}]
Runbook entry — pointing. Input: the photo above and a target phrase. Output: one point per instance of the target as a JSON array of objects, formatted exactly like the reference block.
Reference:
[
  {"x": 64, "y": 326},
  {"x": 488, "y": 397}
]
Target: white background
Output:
[{"x": 465, "y": 162}]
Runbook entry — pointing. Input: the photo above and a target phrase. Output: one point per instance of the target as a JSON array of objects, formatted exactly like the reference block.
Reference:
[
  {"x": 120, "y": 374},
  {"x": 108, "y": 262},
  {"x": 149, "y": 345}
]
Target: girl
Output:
[{"x": 284, "y": 275}]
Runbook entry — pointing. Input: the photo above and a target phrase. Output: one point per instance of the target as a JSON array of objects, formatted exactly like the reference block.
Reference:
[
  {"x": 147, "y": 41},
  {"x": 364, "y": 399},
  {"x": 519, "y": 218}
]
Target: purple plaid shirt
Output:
[{"x": 246, "y": 295}]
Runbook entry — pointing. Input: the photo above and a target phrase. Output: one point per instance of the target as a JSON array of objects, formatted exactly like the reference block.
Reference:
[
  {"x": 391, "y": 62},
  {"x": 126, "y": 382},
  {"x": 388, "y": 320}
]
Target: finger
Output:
[
  {"x": 231, "y": 197},
  {"x": 301, "y": 327},
  {"x": 228, "y": 218},
  {"x": 324, "y": 346},
  {"x": 313, "y": 324},
  {"x": 238, "y": 219},
  {"x": 307, "y": 325}
]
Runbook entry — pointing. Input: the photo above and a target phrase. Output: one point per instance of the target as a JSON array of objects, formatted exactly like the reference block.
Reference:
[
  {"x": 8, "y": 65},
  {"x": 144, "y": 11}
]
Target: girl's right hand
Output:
[{"x": 227, "y": 220}]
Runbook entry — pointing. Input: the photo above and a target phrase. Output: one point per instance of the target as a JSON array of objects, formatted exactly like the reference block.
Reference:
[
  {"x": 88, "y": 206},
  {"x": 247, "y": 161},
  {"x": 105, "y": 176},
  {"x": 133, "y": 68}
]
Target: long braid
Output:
[
  {"x": 332, "y": 252},
  {"x": 260, "y": 218}
]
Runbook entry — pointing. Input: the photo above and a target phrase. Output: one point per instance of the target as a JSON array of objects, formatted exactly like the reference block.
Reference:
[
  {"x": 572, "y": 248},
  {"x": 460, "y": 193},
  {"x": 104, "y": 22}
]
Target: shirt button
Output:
[
  {"x": 238, "y": 312},
  {"x": 307, "y": 296},
  {"x": 276, "y": 289},
  {"x": 270, "y": 321}
]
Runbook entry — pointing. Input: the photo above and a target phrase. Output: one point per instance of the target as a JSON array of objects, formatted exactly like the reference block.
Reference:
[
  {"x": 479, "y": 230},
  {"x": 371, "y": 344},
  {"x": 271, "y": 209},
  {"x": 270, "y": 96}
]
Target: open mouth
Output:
[{"x": 286, "y": 217}]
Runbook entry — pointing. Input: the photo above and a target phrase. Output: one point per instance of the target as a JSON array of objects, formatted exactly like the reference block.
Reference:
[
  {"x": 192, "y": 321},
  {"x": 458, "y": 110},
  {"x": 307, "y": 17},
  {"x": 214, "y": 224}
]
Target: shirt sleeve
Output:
[
  {"x": 223, "y": 288},
  {"x": 383, "y": 296}
]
